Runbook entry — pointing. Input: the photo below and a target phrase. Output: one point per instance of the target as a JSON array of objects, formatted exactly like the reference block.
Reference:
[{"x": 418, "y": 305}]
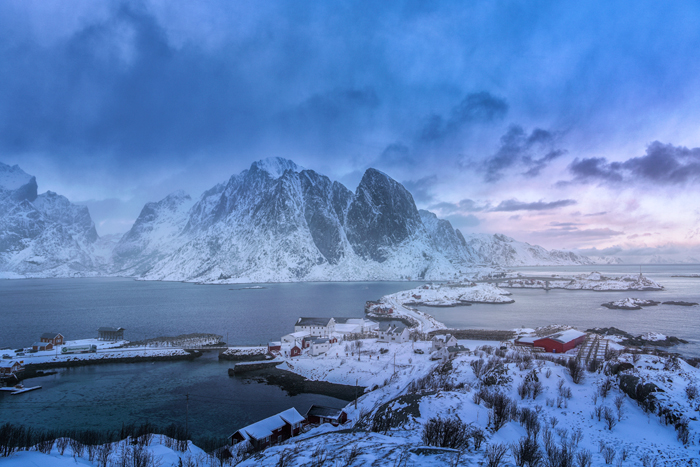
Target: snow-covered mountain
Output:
[
  {"x": 275, "y": 221},
  {"x": 42, "y": 235},
  {"x": 280, "y": 222}
]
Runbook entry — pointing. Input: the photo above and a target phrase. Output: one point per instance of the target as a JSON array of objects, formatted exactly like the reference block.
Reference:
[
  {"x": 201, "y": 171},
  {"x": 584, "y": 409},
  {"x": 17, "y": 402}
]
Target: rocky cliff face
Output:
[{"x": 42, "y": 235}]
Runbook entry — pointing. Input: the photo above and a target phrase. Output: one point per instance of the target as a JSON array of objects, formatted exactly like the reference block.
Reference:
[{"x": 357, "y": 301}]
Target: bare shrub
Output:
[
  {"x": 446, "y": 433},
  {"x": 576, "y": 370},
  {"x": 526, "y": 452},
  {"x": 503, "y": 409},
  {"x": 619, "y": 404},
  {"x": 609, "y": 417},
  {"x": 103, "y": 453},
  {"x": 62, "y": 444},
  {"x": 583, "y": 458},
  {"x": 605, "y": 386},
  {"x": 691, "y": 392},
  {"x": 495, "y": 454},
  {"x": 608, "y": 454}
]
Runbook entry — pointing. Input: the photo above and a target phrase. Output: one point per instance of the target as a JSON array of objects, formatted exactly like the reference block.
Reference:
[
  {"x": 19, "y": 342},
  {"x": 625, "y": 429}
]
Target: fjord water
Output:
[{"x": 582, "y": 308}]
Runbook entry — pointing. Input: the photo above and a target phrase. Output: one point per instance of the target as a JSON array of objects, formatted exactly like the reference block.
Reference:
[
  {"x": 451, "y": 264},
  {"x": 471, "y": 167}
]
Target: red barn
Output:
[
  {"x": 272, "y": 430},
  {"x": 295, "y": 351},
  {"x": 561, "y": 341},
  {"x": 274, "y": 347}
]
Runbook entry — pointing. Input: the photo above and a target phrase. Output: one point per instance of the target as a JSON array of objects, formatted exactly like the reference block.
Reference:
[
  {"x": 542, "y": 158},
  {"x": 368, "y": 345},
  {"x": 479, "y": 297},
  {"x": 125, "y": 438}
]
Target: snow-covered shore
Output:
[
  {"x": 594, "y": 281},
  {"x": 398, "y": 305}
]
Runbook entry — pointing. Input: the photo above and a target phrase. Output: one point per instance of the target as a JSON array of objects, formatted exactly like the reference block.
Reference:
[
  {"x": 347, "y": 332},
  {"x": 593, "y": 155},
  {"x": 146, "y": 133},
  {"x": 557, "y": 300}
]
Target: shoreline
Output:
[{"x": 294, "y": 384}]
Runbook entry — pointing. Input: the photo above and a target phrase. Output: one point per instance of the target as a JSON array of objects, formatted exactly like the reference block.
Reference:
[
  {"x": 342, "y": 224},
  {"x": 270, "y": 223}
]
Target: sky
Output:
[{"x": 565, "y": 124}]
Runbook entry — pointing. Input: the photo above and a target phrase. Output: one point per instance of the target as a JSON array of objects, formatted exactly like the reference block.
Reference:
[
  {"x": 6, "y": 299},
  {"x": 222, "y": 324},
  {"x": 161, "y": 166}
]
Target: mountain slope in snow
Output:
[{"x": 42, "y": 235}]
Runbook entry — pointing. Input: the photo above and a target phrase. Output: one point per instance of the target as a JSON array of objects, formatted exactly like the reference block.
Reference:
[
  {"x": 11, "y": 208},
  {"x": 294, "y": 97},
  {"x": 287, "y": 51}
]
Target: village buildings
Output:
[{"x": 53, "y": 338}]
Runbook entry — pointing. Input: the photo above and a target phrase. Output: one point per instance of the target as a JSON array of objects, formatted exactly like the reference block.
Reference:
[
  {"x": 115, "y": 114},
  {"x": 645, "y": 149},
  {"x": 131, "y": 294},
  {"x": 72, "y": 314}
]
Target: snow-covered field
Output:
[{"x": 593, "y": 281}]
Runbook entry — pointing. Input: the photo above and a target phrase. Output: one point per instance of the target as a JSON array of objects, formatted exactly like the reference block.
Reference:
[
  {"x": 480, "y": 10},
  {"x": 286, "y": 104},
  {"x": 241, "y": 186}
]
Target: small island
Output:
[{"x": 629, "y": 303}]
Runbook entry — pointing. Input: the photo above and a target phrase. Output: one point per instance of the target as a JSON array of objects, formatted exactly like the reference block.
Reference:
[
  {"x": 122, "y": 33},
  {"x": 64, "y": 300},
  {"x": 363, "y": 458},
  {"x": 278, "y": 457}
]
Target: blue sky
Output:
[{"x": 568, "y": 124}]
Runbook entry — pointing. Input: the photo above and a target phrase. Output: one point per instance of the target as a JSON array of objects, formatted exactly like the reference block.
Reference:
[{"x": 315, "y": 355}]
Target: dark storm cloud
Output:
[
  {"x": 465, "y": 205},
  {"x": 534, "y": 152},
  {"x": 515, "y": 205},
  {"x": 396, "y": 154},
  {"x": 480, "y": 107},
  {"x": 422, "y": 188},
  {"x": 663, "y": 164}
]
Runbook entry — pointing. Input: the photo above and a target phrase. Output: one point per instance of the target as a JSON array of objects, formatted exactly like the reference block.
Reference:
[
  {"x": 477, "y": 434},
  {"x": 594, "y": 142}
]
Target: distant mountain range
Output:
[{"x": 275, "y": 222}]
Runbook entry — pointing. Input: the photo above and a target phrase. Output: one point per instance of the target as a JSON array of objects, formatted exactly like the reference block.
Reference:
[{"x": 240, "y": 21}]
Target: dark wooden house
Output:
[
  {"x": 318, "y": 415},
  {"x": 270, "y": 431},
  {"x": 110, "y": 334}
]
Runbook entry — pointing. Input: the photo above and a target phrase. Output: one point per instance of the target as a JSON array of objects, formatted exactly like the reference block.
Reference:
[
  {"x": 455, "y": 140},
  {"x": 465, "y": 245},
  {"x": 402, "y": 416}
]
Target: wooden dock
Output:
[{"x": 19, "y": 390}]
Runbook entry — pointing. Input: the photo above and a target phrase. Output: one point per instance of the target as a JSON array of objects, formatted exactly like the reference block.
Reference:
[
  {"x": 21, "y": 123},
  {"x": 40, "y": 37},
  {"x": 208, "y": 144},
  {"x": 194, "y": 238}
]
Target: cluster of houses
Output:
[
  {"x": 284, "y": 425},
  {"x": 316, "y": 335}
]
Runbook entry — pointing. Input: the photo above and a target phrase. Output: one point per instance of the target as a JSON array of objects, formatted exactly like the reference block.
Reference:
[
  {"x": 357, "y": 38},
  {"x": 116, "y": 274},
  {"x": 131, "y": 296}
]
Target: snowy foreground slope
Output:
[{"x": 388, "y": 425}]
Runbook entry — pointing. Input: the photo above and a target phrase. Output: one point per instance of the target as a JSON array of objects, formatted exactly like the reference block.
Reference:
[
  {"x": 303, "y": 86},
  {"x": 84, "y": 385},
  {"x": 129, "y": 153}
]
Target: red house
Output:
[
  {"x": 317, "y": 415},
  {"x": 561, "y": 341},
  {"x": 54, "y": 338},
  {"x": 295, "y": 351},
  {"x": 272, "y": 430},
  {"x": 274, "y": 347},
  {"x": 42, "y": 346}
]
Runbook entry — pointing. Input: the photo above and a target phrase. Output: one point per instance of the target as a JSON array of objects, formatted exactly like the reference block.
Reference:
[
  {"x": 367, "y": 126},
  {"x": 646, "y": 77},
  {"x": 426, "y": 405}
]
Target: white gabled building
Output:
[
  {"x": 393, "y": 333},
  {"x": 316, "y": 327},
  {"x": 355, "y": 326},
  {"x": 294, "y": 337},
  {"x": 319, "y": 345},
  {"x": 443, "y": 340}
]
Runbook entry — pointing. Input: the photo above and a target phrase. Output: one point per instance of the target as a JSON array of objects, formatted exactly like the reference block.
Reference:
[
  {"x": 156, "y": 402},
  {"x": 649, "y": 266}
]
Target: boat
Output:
[{"x": 19, "y": 389}]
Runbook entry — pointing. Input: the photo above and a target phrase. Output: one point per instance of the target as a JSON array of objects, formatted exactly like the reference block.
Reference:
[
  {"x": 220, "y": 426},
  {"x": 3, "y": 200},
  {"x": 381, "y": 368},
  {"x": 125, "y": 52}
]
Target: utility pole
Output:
[
  {"x": 356, "y": 381},
  {"x": 187, "y": 413}
]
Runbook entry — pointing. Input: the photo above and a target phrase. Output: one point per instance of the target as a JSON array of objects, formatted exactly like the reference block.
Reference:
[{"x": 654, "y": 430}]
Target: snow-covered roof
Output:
[
  {"x": 566, "y": 336},
  {"x": 313, "y": 321},
  {"x": 442, "y": 337},
  {"x": 297, "y": 335},
  {"x": 41, "y": 344},
  {"x": 50, "y": 335},
  {"x": 274, "y": 343},
  {"x": 527, "y": 339},
  {"x": 109, "y": 329},
  {"x": 325, "y": 412},
  {"x": 265, "y": 427}
]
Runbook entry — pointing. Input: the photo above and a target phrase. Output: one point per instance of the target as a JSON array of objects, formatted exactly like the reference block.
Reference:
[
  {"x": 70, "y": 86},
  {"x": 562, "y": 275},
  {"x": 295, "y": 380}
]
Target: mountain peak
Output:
[
  {"x": 275, "y": 166},
  {"x": 12, "y": 177}
]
